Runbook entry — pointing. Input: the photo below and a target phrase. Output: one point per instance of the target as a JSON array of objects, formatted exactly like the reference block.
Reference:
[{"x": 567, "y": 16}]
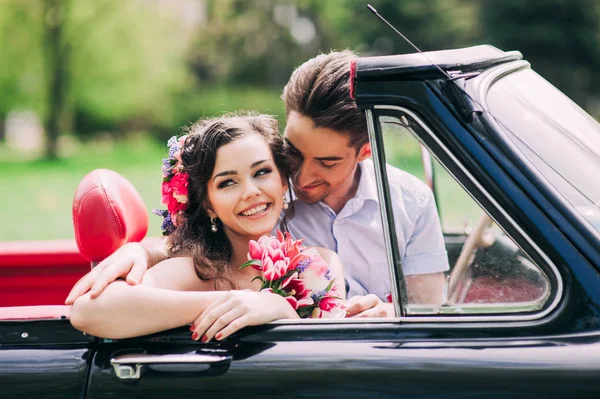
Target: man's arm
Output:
[
  {"x": 424, "y": 263},
  {"x": 129, "y": 262},
  {"x": 425, "y": 288}
]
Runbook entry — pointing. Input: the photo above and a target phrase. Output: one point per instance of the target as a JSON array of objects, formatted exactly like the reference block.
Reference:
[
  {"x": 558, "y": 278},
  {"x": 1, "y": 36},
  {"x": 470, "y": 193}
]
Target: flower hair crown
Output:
[{"x": 174, "y": 186}]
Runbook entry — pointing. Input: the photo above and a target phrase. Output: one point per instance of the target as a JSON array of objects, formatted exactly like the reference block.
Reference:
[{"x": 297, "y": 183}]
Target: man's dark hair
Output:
[{"x": 320, "y": 90}]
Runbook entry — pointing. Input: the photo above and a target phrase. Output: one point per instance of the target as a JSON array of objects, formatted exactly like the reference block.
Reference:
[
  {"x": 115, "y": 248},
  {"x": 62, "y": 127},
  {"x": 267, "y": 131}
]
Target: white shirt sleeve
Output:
[{"x": 425, "y": 249}]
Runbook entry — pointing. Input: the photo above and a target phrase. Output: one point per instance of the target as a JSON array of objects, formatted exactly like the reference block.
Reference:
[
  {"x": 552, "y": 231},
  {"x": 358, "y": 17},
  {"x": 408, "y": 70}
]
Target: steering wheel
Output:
[{"x": 475, "y": 240}]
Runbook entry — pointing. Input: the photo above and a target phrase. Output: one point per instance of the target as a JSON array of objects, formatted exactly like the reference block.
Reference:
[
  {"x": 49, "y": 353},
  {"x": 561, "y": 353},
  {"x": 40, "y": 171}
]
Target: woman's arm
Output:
[
  {"x": 167, "y": 298},
  {"x": 123, "y": 310},
  {"x": 159, "y": 303}
]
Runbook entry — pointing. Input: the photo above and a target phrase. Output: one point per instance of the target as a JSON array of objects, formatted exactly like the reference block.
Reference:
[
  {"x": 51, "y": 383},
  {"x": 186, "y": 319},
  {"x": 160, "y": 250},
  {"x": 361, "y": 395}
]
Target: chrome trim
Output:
[
  {"x": 349, "y": 320},
  {"x": 395, "y": 275},
  {"x": 129, "y": 367},
  {"x": 476, "y": 308},
  {"x": 552, "y": 267}
]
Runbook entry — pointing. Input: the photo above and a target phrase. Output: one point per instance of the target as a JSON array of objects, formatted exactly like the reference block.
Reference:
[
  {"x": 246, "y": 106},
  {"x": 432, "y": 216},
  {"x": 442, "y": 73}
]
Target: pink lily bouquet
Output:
[{"x": 297, "y": 273}]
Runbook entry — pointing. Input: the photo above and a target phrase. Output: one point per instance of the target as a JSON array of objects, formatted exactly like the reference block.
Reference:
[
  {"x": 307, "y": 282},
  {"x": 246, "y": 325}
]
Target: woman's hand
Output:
[{"x": 238, "y": 309}]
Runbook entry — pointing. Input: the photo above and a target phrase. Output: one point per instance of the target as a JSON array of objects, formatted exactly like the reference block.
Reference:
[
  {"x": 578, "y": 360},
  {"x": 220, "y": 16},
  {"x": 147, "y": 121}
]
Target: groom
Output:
[{"x": 336, "y": 199}]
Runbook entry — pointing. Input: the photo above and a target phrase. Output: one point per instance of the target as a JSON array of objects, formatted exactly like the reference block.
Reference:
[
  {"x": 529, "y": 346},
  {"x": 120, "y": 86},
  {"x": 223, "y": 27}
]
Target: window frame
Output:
[
  {"x": 410, "y": 313},
  {"x": 480, "y": 89}
]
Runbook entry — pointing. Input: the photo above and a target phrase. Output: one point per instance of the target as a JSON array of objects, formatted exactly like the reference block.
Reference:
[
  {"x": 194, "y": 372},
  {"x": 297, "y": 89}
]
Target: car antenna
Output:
[
  {"x": 374, "y": 11},
  {"x": 467, "y": 108}
]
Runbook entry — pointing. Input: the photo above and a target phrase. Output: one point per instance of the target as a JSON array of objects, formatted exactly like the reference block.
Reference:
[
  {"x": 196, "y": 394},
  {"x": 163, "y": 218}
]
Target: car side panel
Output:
[
  {"x": 384, "y": 369},
  {"x": 43, "y": 373},
  {"x": 42, "y": 358}
]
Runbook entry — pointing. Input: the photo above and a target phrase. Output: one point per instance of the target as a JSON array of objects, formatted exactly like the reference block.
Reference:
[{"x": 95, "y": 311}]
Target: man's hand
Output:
[
  {"x": 129, "y": 262},
  {"x": 368, "y": 306}
]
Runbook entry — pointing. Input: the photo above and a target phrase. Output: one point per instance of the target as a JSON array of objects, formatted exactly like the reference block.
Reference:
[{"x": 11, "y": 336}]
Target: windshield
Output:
[{"x": 556, "y": 136}]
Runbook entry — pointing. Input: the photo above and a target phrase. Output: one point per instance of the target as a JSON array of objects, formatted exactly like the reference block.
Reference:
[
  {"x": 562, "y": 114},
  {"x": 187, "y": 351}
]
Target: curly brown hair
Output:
[{"x": 210, "y": 251}]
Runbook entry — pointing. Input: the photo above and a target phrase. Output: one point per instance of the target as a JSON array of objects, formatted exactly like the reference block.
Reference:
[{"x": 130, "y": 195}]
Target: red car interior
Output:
[{"x": 107, "y": 213}]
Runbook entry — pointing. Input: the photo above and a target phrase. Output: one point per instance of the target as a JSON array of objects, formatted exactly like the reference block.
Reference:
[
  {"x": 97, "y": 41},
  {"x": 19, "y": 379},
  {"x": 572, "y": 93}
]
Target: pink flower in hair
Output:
[
  {"x": 179, "y": 183},
  {"x": 174, "y": 188}
]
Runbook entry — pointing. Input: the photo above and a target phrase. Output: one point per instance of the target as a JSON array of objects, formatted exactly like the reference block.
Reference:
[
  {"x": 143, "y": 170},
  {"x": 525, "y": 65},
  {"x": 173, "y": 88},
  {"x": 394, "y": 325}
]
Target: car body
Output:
[{"x": 544, "y": 346}]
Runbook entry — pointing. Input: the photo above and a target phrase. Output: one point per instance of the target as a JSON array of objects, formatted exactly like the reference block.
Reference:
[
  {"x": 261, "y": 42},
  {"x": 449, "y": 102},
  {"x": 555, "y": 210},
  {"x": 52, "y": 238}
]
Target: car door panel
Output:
[
  {"x": 309, "y": 364},
  {"x": 47, "y": 373},
  {"x": 43, "y": 359}
]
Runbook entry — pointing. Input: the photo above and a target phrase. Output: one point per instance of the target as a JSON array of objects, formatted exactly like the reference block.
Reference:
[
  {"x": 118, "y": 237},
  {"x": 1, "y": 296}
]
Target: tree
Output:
[
  {"x": 105, "y": 65},
  {"x": 559, "y": 38},
  {"x": 57, "y": 52},
  {"x": 431, "y": 24}
]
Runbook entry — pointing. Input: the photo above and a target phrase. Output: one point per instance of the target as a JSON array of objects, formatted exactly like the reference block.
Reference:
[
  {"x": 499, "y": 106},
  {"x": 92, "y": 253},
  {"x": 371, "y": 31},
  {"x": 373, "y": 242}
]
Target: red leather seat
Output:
[{"x": 107, "y": 213}]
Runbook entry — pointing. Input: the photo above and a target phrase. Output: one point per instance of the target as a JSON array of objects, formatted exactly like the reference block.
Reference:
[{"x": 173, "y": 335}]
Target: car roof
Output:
[{"x": 463, "y": 59}]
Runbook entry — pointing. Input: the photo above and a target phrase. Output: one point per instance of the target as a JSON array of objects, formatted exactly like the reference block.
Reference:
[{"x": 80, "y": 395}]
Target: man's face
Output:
[{"x": 326, "y": 163}]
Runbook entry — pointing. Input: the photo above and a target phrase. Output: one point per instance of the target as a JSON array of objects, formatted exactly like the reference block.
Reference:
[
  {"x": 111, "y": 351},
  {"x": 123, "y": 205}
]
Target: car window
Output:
[
  {"x": 488, "y": 272},
  {"x": 550, "y": 131}
]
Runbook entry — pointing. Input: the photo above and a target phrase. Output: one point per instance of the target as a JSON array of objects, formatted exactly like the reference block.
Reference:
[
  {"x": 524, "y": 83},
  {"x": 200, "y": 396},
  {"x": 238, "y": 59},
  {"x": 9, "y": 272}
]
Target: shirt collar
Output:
[{"x": 367, "y": 186}]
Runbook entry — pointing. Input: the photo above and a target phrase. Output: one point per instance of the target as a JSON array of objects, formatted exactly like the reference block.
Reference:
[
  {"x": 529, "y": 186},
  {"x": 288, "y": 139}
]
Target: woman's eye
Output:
[
  {"x": 262, "y": 172},
  {"x": 225, "y": 183}
]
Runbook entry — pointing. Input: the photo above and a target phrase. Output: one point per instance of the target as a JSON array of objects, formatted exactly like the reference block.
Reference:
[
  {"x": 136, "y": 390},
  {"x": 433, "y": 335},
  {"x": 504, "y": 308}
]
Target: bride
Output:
[{"x": 225, "y": 186}]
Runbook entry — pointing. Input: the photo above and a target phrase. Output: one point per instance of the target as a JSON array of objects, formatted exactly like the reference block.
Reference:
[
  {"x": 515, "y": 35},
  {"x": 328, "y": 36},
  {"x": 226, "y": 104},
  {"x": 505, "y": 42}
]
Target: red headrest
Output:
[{"x": 107, "y": 213}]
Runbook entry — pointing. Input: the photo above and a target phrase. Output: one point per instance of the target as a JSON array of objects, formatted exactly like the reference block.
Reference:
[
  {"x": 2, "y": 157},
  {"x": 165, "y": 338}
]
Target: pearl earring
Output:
[
  {"x": 213, "y": 225},
  {"x": 285, "y": 203}
]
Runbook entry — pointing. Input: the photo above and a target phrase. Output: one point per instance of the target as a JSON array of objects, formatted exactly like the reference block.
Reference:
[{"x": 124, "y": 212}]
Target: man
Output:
[{"x": 336, "y": 199}]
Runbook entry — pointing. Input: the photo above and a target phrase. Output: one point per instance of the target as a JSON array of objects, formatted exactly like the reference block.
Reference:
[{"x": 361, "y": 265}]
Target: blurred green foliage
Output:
[
  {"x": 38, "y": 195},
  {"x": 129, "y": 66},
  {"x": 134, "y": 65}
]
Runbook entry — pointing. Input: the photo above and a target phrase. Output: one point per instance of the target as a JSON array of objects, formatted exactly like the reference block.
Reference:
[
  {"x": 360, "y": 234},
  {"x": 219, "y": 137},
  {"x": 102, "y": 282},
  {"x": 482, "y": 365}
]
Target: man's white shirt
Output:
[{"x": 356, "y": 232}]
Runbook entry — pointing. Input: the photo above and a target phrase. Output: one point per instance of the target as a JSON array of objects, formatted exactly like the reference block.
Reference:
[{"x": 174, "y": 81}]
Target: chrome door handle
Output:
[{"x": 130, "y": 366}]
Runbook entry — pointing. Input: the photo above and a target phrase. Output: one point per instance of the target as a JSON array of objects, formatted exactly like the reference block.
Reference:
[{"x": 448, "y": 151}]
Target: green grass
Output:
[
  {"x": 38, "y": 195},
  {"x": 216, "y": 100}
]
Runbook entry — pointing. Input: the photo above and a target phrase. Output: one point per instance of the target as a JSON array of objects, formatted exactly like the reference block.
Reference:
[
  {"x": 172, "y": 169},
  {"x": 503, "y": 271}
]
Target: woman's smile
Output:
[{"x": 256, "y": 211}]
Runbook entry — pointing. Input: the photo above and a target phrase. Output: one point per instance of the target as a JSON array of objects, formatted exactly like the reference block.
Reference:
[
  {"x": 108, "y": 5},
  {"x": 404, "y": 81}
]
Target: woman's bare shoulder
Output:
[{"x": 176, "y": 274}]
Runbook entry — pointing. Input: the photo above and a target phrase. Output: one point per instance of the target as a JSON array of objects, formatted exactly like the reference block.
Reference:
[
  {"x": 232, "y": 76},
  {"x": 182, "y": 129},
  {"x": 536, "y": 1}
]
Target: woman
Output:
[{"x": 237, "y": 175}]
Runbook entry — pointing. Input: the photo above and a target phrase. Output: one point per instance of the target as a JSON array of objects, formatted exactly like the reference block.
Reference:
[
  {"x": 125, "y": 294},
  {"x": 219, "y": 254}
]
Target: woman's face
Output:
[{"x": 246, "y": 190}]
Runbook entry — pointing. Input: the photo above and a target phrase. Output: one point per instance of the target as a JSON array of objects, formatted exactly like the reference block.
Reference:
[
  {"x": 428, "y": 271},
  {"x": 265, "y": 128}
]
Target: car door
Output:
[
  {"x": 521, "y": 352},
  {"x": 542, "y": 347},
  {"x": 359, "y": 360},
  {"x": 43, "y": 358}
]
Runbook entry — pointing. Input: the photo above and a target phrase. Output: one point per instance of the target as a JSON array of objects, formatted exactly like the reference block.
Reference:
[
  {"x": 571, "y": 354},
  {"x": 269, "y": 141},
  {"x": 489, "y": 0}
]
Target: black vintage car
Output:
[{"x": 521, "y": 316}]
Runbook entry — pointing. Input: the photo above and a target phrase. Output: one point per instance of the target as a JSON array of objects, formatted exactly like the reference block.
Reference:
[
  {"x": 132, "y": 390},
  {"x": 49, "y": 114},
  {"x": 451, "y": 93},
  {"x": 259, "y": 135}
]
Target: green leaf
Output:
[
  {"x": 305, "y": 311},
  {"x": 329, "y": 285},
  {"x": 280, "y": 292},
  {"x": 289, "y": 273},
  {"x": 259, "y": 278},
  {"x": 251, "y": 262}
]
